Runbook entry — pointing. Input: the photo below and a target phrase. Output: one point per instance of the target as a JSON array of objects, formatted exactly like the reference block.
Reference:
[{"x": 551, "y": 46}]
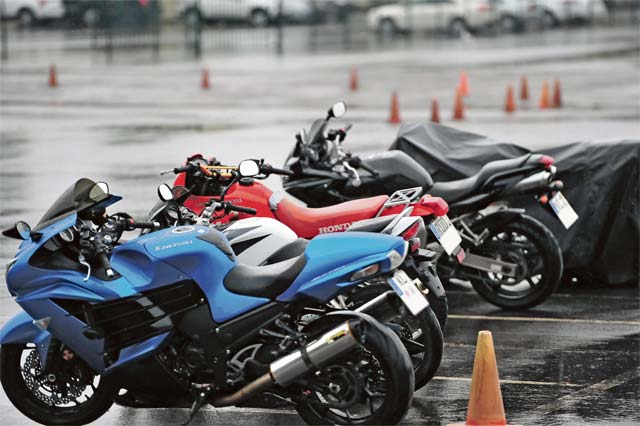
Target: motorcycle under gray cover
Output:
[{"x": 601, "y": 182}]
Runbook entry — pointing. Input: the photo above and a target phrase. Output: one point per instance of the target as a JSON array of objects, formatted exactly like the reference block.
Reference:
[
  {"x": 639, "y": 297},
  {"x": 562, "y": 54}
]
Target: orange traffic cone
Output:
[
  {"x": 463, "y": 86},
  {"x": 458, "y": 108},
  {"x": 557, "y": 95},
  {"x": 510, "y": 102},
  {"x": 205, "y": 79},
  {"x": 435, "y": 113},
  {"x": 394, "y": 116},
  {"x": 524, "y": 89},
  {"x": 544, "y": 96},
  {"x": 53, "y": 77},
  {"x": 485, "y": 399},
  {"x": 353, "y": 81}
]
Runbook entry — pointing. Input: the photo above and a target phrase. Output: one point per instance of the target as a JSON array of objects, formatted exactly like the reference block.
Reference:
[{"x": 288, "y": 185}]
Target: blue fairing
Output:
[
  {"x": 333, "y": 258},
  {"x": 189, "y": 249}
]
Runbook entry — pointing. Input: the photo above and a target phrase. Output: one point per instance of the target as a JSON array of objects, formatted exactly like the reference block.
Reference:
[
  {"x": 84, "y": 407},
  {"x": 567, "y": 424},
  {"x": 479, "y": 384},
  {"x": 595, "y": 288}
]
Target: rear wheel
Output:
[
  {"x": 372, "y": 385},
  {"x": 71, "y": 393},
  {"x": 533, "y": 248},
  {"x": 421, "y": 335}
]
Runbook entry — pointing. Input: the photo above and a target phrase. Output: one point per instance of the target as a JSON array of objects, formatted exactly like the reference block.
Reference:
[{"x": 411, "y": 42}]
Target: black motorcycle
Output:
[{"x": 511, "y": 259}]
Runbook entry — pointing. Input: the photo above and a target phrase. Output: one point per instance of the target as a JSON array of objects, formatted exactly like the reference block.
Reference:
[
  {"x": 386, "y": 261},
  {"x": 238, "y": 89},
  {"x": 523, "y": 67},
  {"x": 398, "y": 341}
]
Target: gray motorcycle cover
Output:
[{"x": 602, "y": 182}]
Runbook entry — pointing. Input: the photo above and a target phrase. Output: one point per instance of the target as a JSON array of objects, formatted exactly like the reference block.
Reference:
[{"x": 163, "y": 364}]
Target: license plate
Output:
[
  {"x": 446, "y": 233},
  {"x": 563, "y": 210},
  {"x": 406, "y": 289}
]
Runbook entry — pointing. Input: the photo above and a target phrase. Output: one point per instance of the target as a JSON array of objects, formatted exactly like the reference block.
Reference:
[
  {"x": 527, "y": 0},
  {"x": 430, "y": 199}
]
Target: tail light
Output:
[
  {"x": 412, "y": 231},
  {"x": 437, "y": 205},
  {"x": 414, "y": 245},
  {"x": 546, "y": 160}
]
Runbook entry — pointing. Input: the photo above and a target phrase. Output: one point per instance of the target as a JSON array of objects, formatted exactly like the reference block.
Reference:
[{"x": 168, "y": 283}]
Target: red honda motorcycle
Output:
[{"x": 206, "y": 179}]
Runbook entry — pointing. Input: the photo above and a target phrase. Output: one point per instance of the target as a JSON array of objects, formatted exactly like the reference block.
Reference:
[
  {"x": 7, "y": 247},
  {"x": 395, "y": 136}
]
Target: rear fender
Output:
[{"x": 21, "y": 329}]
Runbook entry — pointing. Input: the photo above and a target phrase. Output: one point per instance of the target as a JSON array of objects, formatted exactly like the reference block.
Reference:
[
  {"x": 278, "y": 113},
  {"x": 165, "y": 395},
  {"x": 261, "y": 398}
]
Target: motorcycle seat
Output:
[
  {"x": 288, "y": 251},
  {"x": 308, "y": 222},
  {"x": 455, "y": 190},
  {"x": 267, "y": 281},
  {"x": 376, "y": 224}
]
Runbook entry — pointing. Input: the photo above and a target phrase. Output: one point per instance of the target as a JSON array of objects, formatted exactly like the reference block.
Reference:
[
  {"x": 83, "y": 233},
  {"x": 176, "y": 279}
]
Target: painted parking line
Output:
[
  {"x": 511, "y": 382},
  {"x": 539, "y": 319},
  {"x": 597, "y": 388}
]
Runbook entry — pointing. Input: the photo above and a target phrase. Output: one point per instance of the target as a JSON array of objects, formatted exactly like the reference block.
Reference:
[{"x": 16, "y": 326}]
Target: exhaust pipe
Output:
[
  {"x": 333, "y": 343},
  {"x": 534, "y": 182}
]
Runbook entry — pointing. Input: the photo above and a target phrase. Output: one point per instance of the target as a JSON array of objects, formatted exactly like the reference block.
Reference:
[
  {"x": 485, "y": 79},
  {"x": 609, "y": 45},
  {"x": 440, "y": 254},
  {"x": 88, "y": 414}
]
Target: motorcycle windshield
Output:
[{"x": 82, "y": 195}]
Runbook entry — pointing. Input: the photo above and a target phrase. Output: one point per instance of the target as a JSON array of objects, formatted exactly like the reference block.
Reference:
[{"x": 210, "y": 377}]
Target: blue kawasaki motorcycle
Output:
[{"x": 172, "y": 316}]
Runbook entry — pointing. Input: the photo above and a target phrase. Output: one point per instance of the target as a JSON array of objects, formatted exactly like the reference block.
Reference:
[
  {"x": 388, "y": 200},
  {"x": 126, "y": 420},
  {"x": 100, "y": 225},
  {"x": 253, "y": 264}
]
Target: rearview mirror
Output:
[
  {"x": 98, "y": 191},
  {"x": 337, "y": 110},
  {"x": 165, "y": 193},
  {"x": 20, "y": 231},
  {"x": 249, "y": 168}
]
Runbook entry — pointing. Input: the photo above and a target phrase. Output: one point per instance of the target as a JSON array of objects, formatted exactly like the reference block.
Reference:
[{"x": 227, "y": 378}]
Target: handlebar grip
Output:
[
  {"x": 282, "y": 172},
  {"x": 187, "y": 168},
  {"x": 103, "y": 262},
  {"x": 270, "y": 170},
  {"x": 247, "y": 210},
  {"x": 368, "y": 168},
  {"x": 146, "y": 225}
]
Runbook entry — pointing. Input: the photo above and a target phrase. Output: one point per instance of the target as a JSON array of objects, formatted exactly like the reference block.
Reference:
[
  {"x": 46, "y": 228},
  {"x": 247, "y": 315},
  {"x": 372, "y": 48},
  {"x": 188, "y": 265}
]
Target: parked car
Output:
[
  {"x": 29, "y": 12},
  {"x": 92, "y": 13},
  {"x": 555, "y": 12},
  {"x": 258, "y": 13},
  {"x": 513, "y": 15},
  {"x": 455, "y": 16}
]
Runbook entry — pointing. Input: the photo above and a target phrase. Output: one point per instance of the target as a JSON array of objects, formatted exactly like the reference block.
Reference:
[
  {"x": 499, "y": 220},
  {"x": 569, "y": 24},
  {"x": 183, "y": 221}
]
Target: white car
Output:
[
  {"x": 554, "y": 12},
  {"x": 258, "y": 13},
  {"x": 455, "y": 16},
  {"x": 28, "y": 12}
]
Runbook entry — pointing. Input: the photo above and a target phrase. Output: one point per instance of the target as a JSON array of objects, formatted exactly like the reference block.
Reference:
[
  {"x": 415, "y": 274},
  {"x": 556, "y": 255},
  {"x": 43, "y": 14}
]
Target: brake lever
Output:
[
  {"x": 356, "y": 177},
  {"x": 83, "y": 262}
]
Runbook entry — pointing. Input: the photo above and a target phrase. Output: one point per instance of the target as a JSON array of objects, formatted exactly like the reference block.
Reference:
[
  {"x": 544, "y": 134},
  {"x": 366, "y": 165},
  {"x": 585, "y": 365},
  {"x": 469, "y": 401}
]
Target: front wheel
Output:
[
  {"x": 71, "y": 393},
  {"x": 372, "y": 385},
  {"x": 536, "y": 252}
]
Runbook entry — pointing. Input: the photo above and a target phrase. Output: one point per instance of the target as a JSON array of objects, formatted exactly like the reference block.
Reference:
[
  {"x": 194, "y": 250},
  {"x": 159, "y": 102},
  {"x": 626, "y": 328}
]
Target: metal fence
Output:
[{"x": 197, "y": 27}]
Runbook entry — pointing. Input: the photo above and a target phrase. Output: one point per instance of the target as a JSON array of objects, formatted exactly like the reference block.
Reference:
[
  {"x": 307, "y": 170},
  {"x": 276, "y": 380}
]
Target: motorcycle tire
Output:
[
  {"x": 544, "y": 256},
  {"x": 29, "y": 404},
  {"x": 426, "y": 363},
  {"x": 394, "y": 363}
]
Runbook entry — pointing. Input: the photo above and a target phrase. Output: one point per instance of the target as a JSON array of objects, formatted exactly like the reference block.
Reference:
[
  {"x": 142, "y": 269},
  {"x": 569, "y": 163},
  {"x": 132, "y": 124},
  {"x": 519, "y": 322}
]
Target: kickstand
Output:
[{"x": 199, "y": 401}]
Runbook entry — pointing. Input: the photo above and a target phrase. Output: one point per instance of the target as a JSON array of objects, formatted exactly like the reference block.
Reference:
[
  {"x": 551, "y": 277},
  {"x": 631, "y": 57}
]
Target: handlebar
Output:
[
  {"x": 268, "y": 169},
  {"x": 358, "y": 163},
  {"x": 240, "y": 209},
  {"x": 103, "y": 262}
]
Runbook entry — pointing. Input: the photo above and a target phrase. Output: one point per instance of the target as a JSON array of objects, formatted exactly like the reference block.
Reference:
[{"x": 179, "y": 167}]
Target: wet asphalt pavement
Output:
[{"x": 573, "y": 360}]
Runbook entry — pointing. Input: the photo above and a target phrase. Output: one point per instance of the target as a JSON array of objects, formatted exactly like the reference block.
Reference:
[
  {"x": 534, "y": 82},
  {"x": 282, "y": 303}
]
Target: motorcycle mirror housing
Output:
[
  {"x": 20, "y": 231},
  {"x": 337, "y": 110},
  {"x": 99, "y": 190},
  {"x": 249, "y": 168},
  {"x": 165, "y": 193}
]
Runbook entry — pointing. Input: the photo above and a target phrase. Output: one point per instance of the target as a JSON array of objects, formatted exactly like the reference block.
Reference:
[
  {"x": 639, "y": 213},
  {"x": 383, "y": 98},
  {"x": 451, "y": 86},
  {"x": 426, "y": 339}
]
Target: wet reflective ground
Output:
[{"x": 573, "y": 360}]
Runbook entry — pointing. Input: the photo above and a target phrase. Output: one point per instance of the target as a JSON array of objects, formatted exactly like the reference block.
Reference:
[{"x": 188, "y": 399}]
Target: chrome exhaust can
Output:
[{"x": 333, "y": 343}]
